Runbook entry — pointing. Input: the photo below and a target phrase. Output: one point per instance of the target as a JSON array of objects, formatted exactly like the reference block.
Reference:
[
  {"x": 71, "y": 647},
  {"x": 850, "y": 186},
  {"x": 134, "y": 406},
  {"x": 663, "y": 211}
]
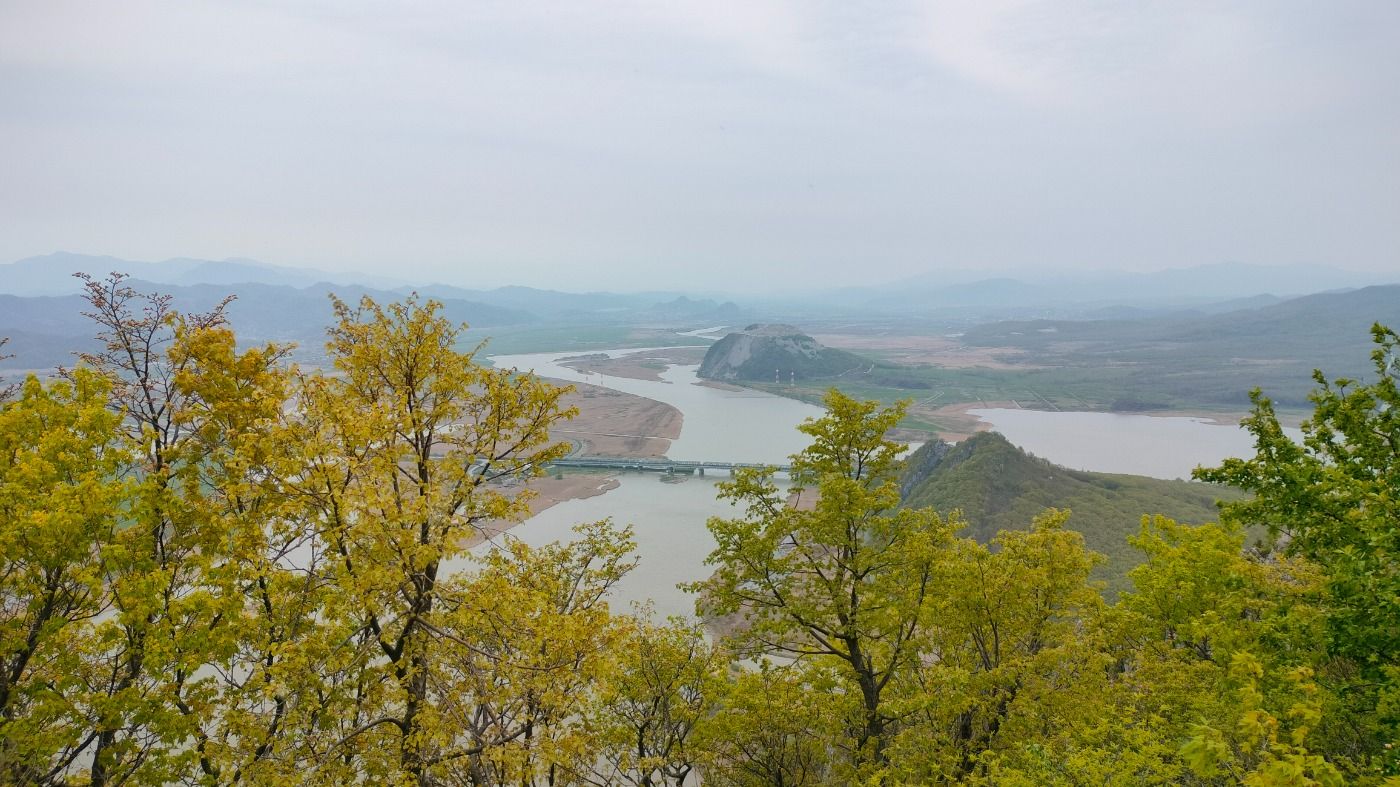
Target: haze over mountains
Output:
[
  {"x": 1216, "y": 312},
  {"x": 52, "y": 274}
]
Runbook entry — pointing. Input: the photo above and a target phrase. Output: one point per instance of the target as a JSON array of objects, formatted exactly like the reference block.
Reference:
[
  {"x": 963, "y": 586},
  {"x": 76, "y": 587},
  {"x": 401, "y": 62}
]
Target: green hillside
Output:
[{"x": 1000, "y": 487}]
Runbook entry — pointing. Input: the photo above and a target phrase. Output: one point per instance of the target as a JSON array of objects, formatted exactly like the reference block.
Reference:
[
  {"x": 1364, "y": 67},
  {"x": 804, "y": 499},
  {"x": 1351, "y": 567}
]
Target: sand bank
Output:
[
  {"x": 613, "y": 423},
  {"x": 643, "y": 365}
]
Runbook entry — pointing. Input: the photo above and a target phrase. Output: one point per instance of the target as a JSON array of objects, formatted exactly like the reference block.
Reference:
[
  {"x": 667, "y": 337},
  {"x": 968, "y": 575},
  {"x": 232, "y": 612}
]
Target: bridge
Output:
[{"x": 666, "y": 466}]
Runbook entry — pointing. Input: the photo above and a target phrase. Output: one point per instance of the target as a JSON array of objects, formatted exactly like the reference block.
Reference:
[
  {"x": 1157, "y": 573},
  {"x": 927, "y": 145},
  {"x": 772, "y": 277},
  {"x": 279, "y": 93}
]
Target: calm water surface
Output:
[
  {"x": 751, "y": 426},
  {"x": 1162, "y": 447},
  {"x": 733, "y": 426},
  {"x": 668, "y": 522}
]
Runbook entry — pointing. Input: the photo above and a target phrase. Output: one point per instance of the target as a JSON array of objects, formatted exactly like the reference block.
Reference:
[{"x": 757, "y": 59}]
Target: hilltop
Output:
[
  {"x": 998, "y": 486},
  {"x": 761, "y": 351}
]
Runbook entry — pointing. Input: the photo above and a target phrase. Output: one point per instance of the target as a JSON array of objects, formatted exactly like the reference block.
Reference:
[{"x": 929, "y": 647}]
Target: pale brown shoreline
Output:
[
  {"x": 638, "y": 365},
  {"x": 613, "y": 423},
  {"x": 549, "y": 491},
  {"x": 608, "y": 423}
]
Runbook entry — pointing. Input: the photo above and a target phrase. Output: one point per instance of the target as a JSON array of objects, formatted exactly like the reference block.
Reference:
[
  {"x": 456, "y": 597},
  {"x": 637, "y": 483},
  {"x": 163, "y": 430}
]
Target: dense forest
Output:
[{"x": 217, "y": 567}]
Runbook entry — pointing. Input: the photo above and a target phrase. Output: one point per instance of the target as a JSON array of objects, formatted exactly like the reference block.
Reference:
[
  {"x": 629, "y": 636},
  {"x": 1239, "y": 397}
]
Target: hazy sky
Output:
[{"x": 678, "y": 144}]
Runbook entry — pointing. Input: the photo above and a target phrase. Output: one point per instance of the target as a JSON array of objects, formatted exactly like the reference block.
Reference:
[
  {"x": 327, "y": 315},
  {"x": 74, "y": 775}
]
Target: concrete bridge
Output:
[{"x": 666, "y": 466}]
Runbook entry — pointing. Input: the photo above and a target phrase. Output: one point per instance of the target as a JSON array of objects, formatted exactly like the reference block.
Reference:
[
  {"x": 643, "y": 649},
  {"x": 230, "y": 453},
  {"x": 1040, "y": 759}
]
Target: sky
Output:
[{"x": 700, "y": 144}]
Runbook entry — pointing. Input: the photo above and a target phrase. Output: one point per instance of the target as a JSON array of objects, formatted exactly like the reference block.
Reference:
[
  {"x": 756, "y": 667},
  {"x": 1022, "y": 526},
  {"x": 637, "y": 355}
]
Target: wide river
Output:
[{"x": 750, "y": 426}]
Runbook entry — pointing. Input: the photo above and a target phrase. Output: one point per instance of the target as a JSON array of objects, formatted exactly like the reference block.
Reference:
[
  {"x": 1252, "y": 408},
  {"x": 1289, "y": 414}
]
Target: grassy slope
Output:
[{"x": 999, "y": 487}]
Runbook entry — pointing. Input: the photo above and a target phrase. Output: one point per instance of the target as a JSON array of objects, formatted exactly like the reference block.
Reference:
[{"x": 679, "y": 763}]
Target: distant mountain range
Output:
[
  {"x": 1175, "y": 286},
  {"x": 959, "y": 295},
  {"x": 53, "y": 275},
  {"x": 45, "y": 330},
  {"x": 965, "y": 296},
  {"x": 41, "y": 305}
]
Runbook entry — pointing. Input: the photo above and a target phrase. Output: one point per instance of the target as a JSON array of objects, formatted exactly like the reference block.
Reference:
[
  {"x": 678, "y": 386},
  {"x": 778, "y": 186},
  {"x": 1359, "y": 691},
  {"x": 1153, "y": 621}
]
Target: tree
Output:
[
  {"x": 1150, "y": 696},
  {"x": 9, "y": 389},
  {"x": 166, "y": 623},
  {"x": 533, "y": 640},
  {"x": 1333, "y": 499},
  {"x": 661, "y": 687},
  {"x": 406, "y": 440},
  {"x": 265, "y": 570},
  {"x": 61, "y": 497},
  {"x": 769, "y": 730},
  {"x": 845, "y": 581},
  {"x": 1007, "y": 647}
]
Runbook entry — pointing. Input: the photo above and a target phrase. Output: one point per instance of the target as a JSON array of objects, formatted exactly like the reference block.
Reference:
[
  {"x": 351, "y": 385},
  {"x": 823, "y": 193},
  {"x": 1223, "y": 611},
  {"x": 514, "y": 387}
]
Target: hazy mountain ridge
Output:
[
  {"x": 1178, "y": 288},
  {"x": 52, "y": 274},
  {"x": 45, "y": 330}
]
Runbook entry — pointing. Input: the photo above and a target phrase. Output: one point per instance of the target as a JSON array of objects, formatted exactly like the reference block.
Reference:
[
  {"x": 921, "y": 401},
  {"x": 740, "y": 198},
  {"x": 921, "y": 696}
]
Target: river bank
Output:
[
  {"x": 616, "y": 423},
  {"x": 548, "y": 491},
  {"x": 643, "y": 365}
]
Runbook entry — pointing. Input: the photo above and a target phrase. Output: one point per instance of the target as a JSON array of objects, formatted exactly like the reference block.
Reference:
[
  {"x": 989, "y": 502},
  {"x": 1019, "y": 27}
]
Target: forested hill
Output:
[{"x": 998, "y": 486}]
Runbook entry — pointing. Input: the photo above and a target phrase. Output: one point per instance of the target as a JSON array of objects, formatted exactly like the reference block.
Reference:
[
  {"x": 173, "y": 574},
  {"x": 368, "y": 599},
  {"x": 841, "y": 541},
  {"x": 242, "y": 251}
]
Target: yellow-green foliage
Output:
[{"x": 218, "y": 569}]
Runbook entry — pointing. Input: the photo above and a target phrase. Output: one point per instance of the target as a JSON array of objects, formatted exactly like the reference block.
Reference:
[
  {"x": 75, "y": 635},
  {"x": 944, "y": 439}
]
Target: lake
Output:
[{"x": 1158, "y": 446}]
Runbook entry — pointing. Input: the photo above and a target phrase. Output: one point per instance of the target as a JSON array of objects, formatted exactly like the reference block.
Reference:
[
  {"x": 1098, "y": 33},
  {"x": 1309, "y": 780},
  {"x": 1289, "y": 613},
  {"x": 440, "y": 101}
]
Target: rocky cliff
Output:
[{"x": 762, "y": 352}]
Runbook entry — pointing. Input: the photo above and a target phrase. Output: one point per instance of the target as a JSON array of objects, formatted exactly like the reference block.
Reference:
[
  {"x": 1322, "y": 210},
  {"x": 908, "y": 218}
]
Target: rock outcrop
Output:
[{"x": 763, "y": 352}]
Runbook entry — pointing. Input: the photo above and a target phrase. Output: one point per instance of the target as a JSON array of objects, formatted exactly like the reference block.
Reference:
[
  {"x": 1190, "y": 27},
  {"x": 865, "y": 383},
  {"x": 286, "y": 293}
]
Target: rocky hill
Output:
[
  {"x": 762, "y": 351},
  {"x": 998, "y": 486}
]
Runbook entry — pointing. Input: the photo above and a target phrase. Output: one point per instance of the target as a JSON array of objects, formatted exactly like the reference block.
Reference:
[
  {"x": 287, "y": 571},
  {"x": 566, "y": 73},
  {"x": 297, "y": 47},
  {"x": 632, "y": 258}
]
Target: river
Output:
[
  {"x": 668, "y": 519},
  {"x": 751, "y": 426},
  {"x": 720, "y": 425}
]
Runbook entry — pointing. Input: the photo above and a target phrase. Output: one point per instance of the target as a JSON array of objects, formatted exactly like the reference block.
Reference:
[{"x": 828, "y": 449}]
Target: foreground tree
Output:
[
  {"x": 846, "y": 580},
  {"x": 264, "y": 569},
  {"x": 61, "y": 498},
  {"x": 661, "y": 687},
  {"x": 167, "y": 621},
  {"x": 407, "y": 439},
  {"x": 768, "y": 728},
  {"x": 1333, "y": 497},
  {"x": 1009, "y": 649},
  {"x": 6, "y": 389},
  {"x": 1333, "y": 500},
  {"x": 532, "y": 640}
]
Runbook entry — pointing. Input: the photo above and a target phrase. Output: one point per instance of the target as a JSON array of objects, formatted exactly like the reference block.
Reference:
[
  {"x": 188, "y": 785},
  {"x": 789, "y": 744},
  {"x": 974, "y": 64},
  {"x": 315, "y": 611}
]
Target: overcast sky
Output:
[{"x": 629, "y": 145}]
